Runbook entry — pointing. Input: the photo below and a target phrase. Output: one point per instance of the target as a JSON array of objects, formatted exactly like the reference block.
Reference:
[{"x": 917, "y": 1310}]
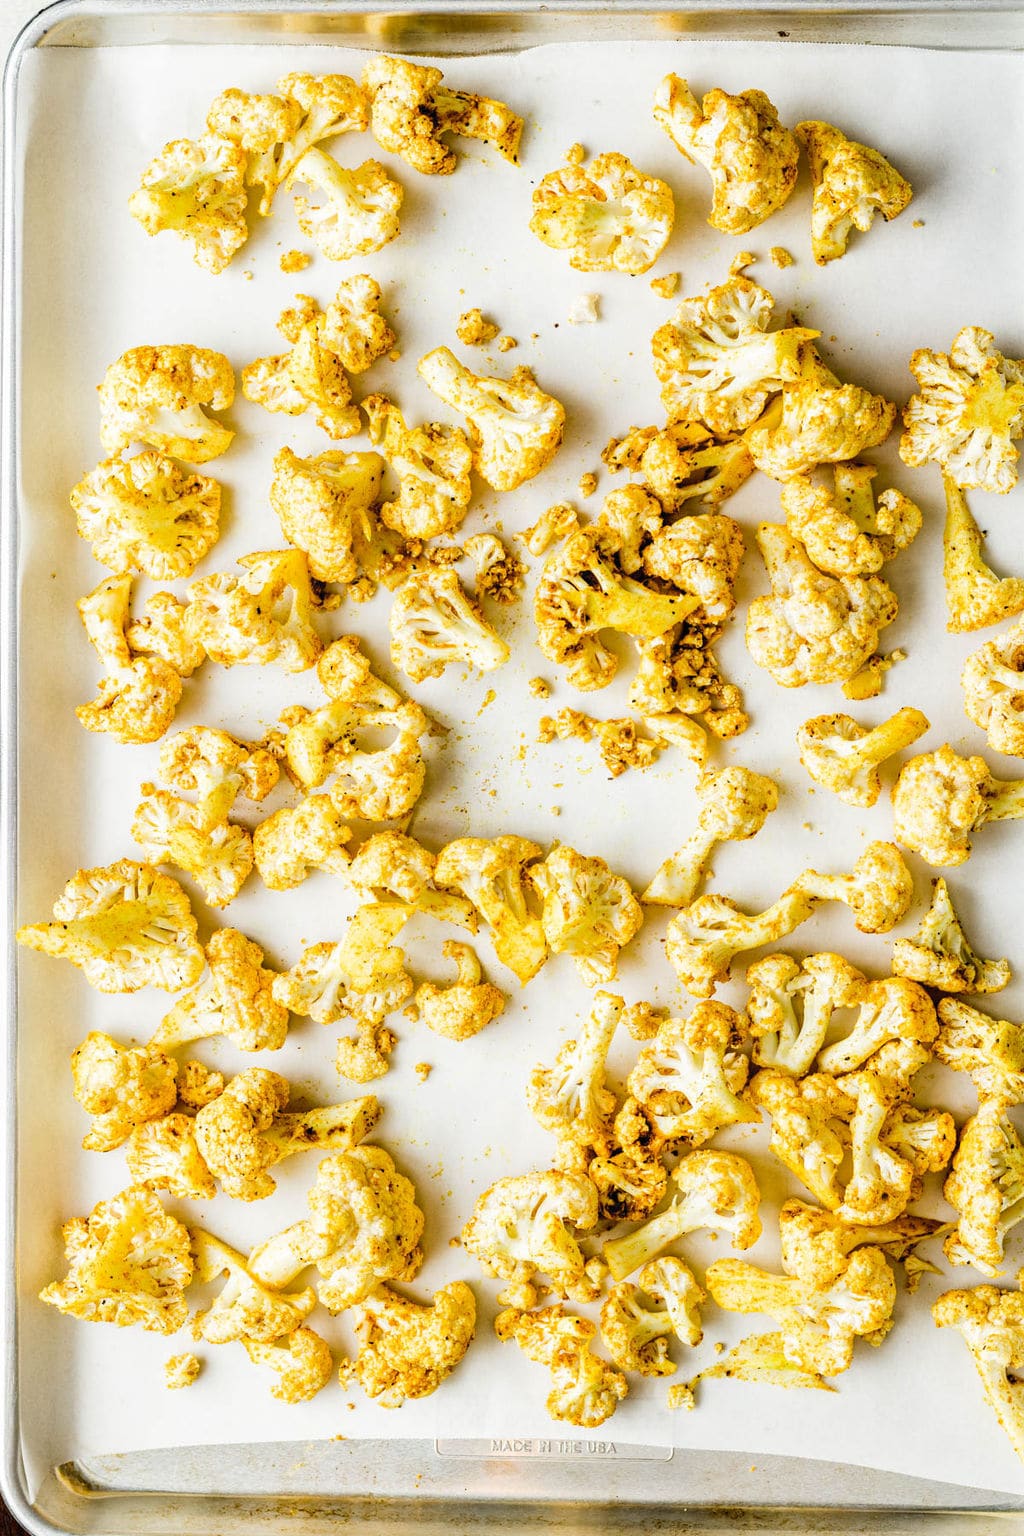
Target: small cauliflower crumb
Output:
[
  {"x": 740, "y": 262},
  {"x": 506, "y": 343},
  {"x": 681, "y": 1396},
  {"x": 781, "y": 257},
  {"x": 181, "y": 1371},
  {"x": 248, "y": 276},
  {"x": 867, "y": 683},
  {"x": 473, "y": 330},
  {"x": 295, "y": 261},
  {"x": 584, "y": 309},
  {"x": 551, "y": 527},
  {"x": 666, "y": 287},
  {"x": 488, "y": 700},
  {"x": 423, "y": 1070},
  {"x": 540, "y": 688},
  {"x": 917, "y": 224},
  {"x": 618, "y": 742},
  {"x": 587, "y": 484}
]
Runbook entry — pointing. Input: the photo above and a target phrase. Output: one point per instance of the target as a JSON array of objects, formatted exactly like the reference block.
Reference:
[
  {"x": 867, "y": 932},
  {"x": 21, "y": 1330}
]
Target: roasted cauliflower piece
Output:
[
  {"x": 587, "y": 911},
  {"x": 845, "y": 757},
  {"x": 718, "y": 362},
  {"x": 820, "y": 422},
  {"x": 181, "y": 1371},
  {"x": 138, "y": 695},
  {"x": 687, "y": 1079},
  {"x": 324, "y": 505},
  {"x": 407, "y": 1350},
  {"x": 147, "y": 514},
  {"x": 878, "y": 892},
  {"x": 555, "y": 523},
  {"x": 992, "y": 1324},
  {"x": 985, "y": 1188},
  {"x": 709, "y": 1189},
  {"x": 216, "y": 853},
  {"x": 847, "y": 531},
  {"x": 411, "y": 111},
  {"x": 635, "y": 1333},
  {"x": 263, "y": 616},
  {"x": 245, "y": 1308},
  {"x": 585, "y": 1389},
  {"x": 684, "y": 462},
  {"x": 392, "y": 864},
  {"x": 163, "y": 1154},
  {"x": 734, "y": 804},
  {"x": 699, "y": 554},
  {"x": 968, "y": 413},
  {"x": 234, "y": 999},
  {"x": 520, "y": 1228},
  {"x": 162, "y": 630},
  {"x": 434, "y": 624},
  {"x": 312, "y": 374},
  {"x": 791, "y": 1004},
  {"x": 939, "y": 955},
  {"x": 813, "y": 628},
  {"x": 125, "y": 926},
  {"x": 890, "y": 1009},
  {"x": 816, "y": 1244},
  {"x": 301, "y": 1361},
  {"x": 161, "y": 396},
  {"x": 631, "y": 1178},
  {"x": 851, "y": 184},
  {"x": 363, "y": 976},
  {"x": 498, "y": 574},
  {"x": 993, "y": 684},
  {"x": 570, "y": 1098},
  {"x": 975, "y": 596},
  {"x": 364, "y": 1227},
  {"x": 491, "y": 873},
  {"x": 351, "y": 212},
  {"x": 128, "y": 1262},
  {"x": 291, "y": 843},
  {"x": 679, "y": 688},
  {"x": 120, "y": 1088},
  {"x": 809, "y": 1127},
  {"x": 750, "y": 157},
  {"x": 196, "y": 187},
  {"x": 608, "y": 215},
  {"x": 432, "y": 463},
  {"x": 468, "y": 1005},
  {"x": 515, "y": 429},
  {"x": 990, "y": 1050},
  {"x": 940, "y": 798}
]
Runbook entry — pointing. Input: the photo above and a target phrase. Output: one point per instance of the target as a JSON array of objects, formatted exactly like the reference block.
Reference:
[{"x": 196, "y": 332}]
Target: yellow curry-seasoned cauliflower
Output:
[
  {"x": 148, "y": 514},
  {"x": 686, "y": 1080},
  {"x": 492, "y": 874},
  {"x": 990, "y": 1050},
  {"x": 162, "y": 630},
  {"x": 499, "y": 574},
  {"x": 816, "y": 1244},
  {"x": 750, "y": 157},
  {"x": 585, "y": 1390},
  {"x": 845, "y": 757},
  {"x": 294, "y": 841},
  {"x": 570, "y": 1098},
  {"x": 351, "y": 212},
  {"x": 407, "y": 1350},
  {"x": 515, "y": 429},
  {"x": 234, "y": 999},
  {"x": 434, "y": 624},
  {"x": 411, "y": 111},
  {"x": 181, "y": 1371},
  {"x": 392, "y": 864},
  {"x": 125, "y": 926},
  {"x": 324, "y": 506},
  {"x": 196, "y": 187},
  {"x": 940, "y": 798},
  {"x": 311, "y": 375},
  {"x": 991, "y": 1322},
  {"x": 432, "y": 463},
  {"x": 164, "y": 1154},
  {"x": 465, "y": 1007},
  {"x": 161, "y": 396},
  {"x": 683, "y": 461},
  {"x": 138, "y": 694},
  {"x": 969, "y": 411},
  {"x": 846, "y": 531},
  {"x": 636, "y": 1333},
  {"x": 679, "y": 688},
  {"x": 700, "y": 554},
  {"x": 712, "y": 1189},
  {"x": 215, "y": 852},
  {"x": 120, "y": 1088},
  {"x": 245, "y": 1308},
  {"x": 985, "y": 1188},
  {"x": 587, "y": 911},
  {"x": 128, "y": 1262},
  {"x": 301, "y": 1361},
  {"x": 262, "y": 616},
  {"x": 820, "y": 421},
  {"x": 851, "y": 184},
  {"x": 733, "y": 804},
  {"x": 790, "y": 1007},
  {"x": 940, "y": 956},
  {"x": 975, "y": 596},
  {"x": 813, "y": 628},
  {"x": 993, "y": 684},
  {"x": 520, "y": 1228},
  {"x": 608, "y": 215}
]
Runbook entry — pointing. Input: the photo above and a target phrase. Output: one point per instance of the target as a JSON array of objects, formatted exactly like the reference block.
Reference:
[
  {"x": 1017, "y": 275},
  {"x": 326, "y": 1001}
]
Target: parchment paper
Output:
[{"x": 94, "y": 285}]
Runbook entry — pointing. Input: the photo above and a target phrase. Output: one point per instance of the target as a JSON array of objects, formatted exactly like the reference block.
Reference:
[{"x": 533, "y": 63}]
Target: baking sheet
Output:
[{"x": 94, "y": 285}]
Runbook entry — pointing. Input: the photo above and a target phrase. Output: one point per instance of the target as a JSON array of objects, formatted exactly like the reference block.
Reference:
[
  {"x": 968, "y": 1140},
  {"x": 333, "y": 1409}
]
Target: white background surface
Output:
[{"x": 94, "y": 285}]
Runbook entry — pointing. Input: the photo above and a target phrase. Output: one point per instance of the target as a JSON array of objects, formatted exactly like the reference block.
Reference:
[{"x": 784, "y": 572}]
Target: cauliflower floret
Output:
[
  {"x": 491, "y": 873},
  {"x": 845, "y": 757},
  {"x": 264, "y": 616},
  {"x": 570, "y": 1098},
  {"x": 678, "y": 678},
  {"x": 818, "y": 1323},
  {"x": 851, "y": 184},
  {"x": 821, "y": 421},
  {"x": 519, "y": 1228},
  {"x": 125, "y": 926},
  {"x": 635, "y": 1333},
  {"x": 554, "y": 524},
  {"x": 218, "y": 768},
  {"x": 816, "y": 1244},
  {"x": 407, "y": 1350},
  {"x": 138, "y": 695},
  {"x": 171, "y": 831},
  {"x": 891, "y": 1145},
  {"x": 197, "y": 1084},
  {"x": 292, "y": 842},
  {"x": 940, "y": 798},
  {"x": 734, "y": 804},
  {"x": 891, "y": 1009},
  {"x": 992, "y": 1324},
  {"x": 163, "y": 1154},
  {"x": 394, "y": 864},
  {"x": 619, "y": 741},
  {"x": 300, "y": 1360},
  {"x": 364, "y": 1227},
  {"x": 157, "y": 395},
  {"x": 196, "y": 187},
  {"x": 148, "y": 514},
  {"x": 433, "y": 624},
  {"x": 432, "y": 463},
  {"x": 277, "y": 131},
  {"x": 181, "y": 1371},
  {"x": 467, "y": 1006},
  {"x": 608, "y": 215},
  {"x": 163, "y": 631},
  {"x": 128, "y": 1262},
  {"x": 352, "y": 325},
  {"x": 845, "y": 531},
  {"x": 990, "y": 1050},
  {"x": 588, "y": 912},
  {"x": 709, "y": 1189},
  {"x": 245, "y": 1307},
  {"x": 411, "y": 111},
  {"x": 687, "y": 1079},
  {"x": 718, "y": 361},
  {"x": 499, "y": 573},
  {"x": 515, "y": 429},
  {"x": 939, "y": 955},
  {"x": 585, "y": 1390},
  {"x": 975, "y": 596},
  {"x": 993, "y": 684},
  {"x": 323, "y": 504},
  {"x": 311, "y": 376},
  {"x": 233, "y": 999},
  {"x": 813, "y": 628},
  {"x": 809, "y": 1127},
  {"x": 750, "y": 157},
  {"x": 685, "y": 462},
  {"x": 700, "y": 554},
  {"x": 120, "y": 1088},
  {"x": 878, "y": 892},
  {"x": 671, "y": 1282},
  {"x": 970, "y": 409},
  {"x": 791, "y": 1004},
  {"x": 631, "y": 1180},
  {"x": 985, "y": 1188},
  {"x": 356, "y": 211}
]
